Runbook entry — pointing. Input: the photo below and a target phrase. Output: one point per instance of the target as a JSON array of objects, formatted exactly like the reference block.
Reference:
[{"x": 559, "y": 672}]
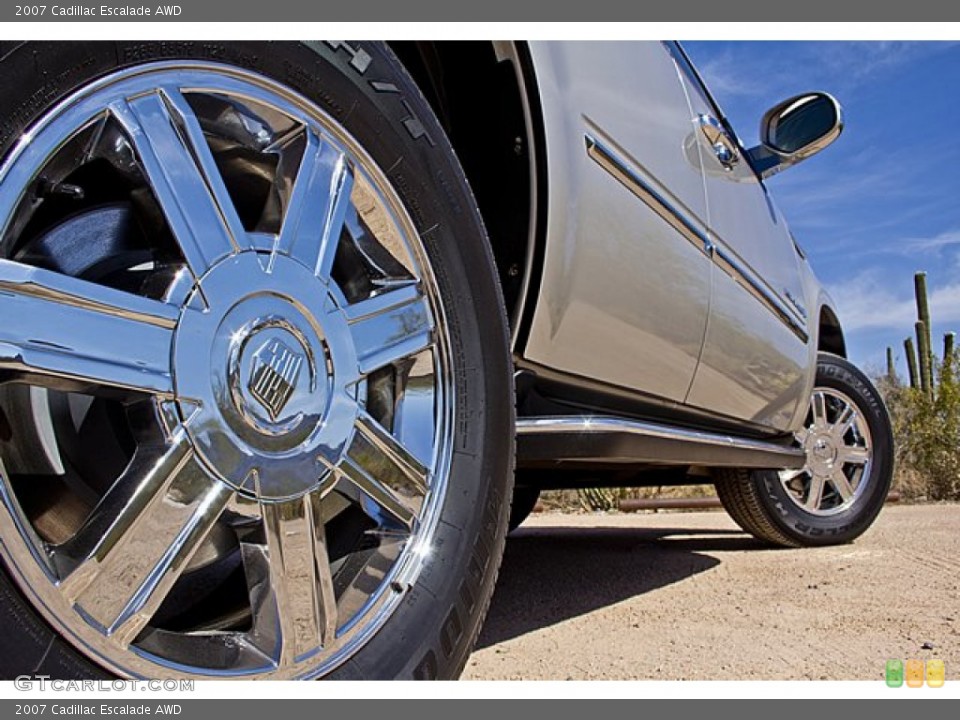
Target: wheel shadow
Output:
[{"x": 554, "y": 574}]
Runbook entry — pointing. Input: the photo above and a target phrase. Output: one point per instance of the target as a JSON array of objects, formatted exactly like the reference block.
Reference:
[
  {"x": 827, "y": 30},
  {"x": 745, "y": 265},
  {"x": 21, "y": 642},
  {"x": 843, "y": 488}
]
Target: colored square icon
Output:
[
  {"x": 914, "y": 673},
  {"x": 894, "y": 673},
  {"x": 936, "y": 673}
]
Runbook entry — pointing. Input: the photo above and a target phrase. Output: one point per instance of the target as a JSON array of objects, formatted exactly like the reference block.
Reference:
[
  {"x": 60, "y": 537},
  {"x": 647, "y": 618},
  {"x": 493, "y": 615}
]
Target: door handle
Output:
[{"x": 724, "y": 147}]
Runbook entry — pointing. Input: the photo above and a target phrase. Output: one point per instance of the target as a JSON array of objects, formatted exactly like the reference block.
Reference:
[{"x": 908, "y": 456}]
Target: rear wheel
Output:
[
  {"x": 255, "y": 390},
  {"x": 840, "y": 490}
]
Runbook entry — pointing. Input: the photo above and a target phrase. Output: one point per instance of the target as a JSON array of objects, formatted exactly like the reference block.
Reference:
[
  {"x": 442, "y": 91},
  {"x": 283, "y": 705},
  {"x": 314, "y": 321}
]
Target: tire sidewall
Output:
[
  {"x": 364, "y": 88},
  {"x": 838, "y": 374}
]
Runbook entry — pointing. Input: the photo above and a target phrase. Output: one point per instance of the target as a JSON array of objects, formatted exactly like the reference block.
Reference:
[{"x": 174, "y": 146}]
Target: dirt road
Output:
[{"x": 688, "y": 596}]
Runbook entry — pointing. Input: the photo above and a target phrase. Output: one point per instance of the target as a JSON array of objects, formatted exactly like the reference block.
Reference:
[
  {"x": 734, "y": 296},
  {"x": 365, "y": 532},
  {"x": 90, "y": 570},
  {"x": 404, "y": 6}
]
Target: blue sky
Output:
[{"x": 884, "y": 200}]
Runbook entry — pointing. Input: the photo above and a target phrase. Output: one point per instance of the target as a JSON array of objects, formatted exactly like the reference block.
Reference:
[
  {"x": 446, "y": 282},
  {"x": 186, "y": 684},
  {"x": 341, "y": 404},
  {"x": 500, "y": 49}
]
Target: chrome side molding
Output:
[
  {"x": 631, "y": 179},
  {"x": 553, "y": 441},
  {"x": 723, "y": 257},
  {"x": 728, "y": 262}
]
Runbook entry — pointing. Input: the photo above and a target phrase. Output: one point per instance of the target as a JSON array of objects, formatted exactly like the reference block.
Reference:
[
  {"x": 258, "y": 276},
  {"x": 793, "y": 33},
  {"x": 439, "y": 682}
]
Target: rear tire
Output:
[{"x": 842, "y": 489}]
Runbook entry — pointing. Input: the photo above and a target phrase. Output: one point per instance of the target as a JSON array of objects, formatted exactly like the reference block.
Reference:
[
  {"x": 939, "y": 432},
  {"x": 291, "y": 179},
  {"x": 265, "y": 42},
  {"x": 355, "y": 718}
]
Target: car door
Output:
[
  {"x": 756, "y": 354},
  {"x": 625, "y": 288}
]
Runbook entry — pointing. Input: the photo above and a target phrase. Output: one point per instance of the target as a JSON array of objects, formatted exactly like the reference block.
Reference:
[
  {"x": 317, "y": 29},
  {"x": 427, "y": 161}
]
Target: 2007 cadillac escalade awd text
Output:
[{"x": 291, "y": 334}]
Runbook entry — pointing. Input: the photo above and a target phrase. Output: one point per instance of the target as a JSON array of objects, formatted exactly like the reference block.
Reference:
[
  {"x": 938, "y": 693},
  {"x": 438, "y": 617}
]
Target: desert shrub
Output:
[
  {"x": 608, "y": 499},
  {"x": 926, "y": 429}
]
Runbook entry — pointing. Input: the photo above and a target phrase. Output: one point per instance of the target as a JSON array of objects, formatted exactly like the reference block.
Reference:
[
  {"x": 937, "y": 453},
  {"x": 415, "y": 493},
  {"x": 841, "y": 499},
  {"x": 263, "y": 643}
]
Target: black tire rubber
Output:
[
  {"x": 524, "y": 501},
  {"x": 433, "y": 632},
  {"x": 758, "y": 502}
]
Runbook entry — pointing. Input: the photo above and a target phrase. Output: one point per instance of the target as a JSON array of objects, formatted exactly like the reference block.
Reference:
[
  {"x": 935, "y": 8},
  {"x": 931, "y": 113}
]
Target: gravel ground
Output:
[{"x": 673, "y": 596}]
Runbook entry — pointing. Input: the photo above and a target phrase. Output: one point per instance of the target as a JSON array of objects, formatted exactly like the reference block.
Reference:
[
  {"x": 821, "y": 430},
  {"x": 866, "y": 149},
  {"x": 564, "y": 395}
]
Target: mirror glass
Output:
[{"x": 804, "y": 121}]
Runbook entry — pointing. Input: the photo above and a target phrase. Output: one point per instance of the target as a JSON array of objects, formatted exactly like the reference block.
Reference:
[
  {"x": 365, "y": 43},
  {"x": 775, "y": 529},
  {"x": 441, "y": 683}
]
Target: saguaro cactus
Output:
[
  {"x": 911, "y": 354},
  {"x": 946, "y": 369},
  {"x": 924, "y": 341},
  {"x": 924, "y": 355},
  {"x": 920, "y": 357}
]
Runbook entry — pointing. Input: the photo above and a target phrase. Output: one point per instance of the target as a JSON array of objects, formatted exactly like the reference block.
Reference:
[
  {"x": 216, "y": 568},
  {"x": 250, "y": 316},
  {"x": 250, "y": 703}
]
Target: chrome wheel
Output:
[
  {"x": 836, "y": 439},
  {"x": 229, "y": 379}
]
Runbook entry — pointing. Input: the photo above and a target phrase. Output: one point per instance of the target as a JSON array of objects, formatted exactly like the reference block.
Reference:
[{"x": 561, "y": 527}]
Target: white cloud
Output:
[
  {"x": 724, "y": 75},
  {"x": 841, "y": 66},
  {"x": 868, "y": 303},
  {"x": 857, "y": 62},
  {"x": 944, "y": 240}
]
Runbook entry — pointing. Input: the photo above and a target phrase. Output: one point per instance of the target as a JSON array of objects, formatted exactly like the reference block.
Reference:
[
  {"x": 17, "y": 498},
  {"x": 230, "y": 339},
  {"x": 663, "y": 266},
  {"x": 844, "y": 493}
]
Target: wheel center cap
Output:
[
  {"x": 822, "y": 453},
  {"x": 266, "y": 377},
  {"x": 275, "y": 372},
  {"x": 274, "y": 377}
]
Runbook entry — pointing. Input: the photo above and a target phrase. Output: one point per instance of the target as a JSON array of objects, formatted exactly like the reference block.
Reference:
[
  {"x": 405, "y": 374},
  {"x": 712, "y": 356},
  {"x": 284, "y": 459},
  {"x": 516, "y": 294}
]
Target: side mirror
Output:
[{"x": 796, "y": 129}]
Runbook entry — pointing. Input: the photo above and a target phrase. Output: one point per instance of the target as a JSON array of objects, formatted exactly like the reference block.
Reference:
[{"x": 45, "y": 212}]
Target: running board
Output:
[{"x": 591, "y": 441}]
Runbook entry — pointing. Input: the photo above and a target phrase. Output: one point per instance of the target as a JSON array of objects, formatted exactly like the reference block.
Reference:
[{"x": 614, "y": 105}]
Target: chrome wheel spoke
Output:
[
  {"x": 845, "y": 420},
  {"x": 854, "y": 455},
  {"x": 62, "y": 329},
  {"x": 183, "y": 176},
  {"x": 390, "y": 326},
  {"x": 841, "y": 484},
  {"x": 815, "y": 492},
  {"x": 818, "y": 408},
  {"x": 318, "y": 206},
  {"x": 140, "y": 538},
  {"x": 295, "y": 610},
  {"x": 385, "y": 473}
]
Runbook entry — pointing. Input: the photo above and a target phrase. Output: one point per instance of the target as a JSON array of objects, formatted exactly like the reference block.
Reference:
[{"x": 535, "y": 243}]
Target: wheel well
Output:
[
  {"x": 477, "y": 98},
  {"x": 831, "y": 334}
]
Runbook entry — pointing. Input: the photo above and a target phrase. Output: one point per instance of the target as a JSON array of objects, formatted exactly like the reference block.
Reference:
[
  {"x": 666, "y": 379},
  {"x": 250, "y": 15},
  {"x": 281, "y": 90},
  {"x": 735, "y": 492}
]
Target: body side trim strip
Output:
[
  {"x": 610, "y": 161},
  {"x": 728, "y": 262},
  {"x": 722, "y": 257}
]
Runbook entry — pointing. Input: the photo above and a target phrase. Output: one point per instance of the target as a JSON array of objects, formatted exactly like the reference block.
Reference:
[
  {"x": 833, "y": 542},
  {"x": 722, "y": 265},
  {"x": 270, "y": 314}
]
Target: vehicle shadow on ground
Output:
[{"x": 554, "y": 574}]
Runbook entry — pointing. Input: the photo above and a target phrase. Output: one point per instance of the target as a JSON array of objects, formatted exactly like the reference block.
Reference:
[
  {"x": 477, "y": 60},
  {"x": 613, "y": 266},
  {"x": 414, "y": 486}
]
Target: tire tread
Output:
[{"x": 739, "y": 497}]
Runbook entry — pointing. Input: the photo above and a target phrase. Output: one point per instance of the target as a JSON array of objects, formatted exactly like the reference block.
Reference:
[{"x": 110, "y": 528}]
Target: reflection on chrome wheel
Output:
[
  {"x": 225, "y": 355},
  {"x": 836, "y": 440}
]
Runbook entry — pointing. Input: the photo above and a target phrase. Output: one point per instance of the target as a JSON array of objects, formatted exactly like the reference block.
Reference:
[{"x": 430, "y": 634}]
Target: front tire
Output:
[
  {"x": 253, "y": 332},
  {"x": 840, "y": 491}
]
